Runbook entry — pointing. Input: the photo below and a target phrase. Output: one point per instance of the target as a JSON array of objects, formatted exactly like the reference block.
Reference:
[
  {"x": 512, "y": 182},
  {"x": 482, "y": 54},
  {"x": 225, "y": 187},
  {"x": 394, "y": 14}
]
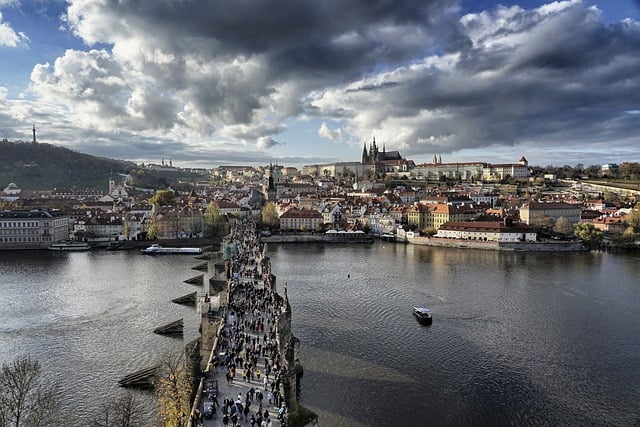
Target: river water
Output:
[{"x": 517, "y": 338}]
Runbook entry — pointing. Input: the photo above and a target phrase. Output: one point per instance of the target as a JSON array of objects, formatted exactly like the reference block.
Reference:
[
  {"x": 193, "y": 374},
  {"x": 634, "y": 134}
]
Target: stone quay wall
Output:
[{"x": 499, "y": 246}]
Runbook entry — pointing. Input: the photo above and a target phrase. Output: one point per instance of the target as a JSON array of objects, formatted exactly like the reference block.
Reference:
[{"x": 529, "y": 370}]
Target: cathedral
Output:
[
  {"x": 376, "y": 156},
  {"x": 373, "y": 162}
]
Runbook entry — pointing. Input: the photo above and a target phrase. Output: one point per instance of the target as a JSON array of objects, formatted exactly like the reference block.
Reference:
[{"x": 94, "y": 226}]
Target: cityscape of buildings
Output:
[{"x": 471, "y": 200}]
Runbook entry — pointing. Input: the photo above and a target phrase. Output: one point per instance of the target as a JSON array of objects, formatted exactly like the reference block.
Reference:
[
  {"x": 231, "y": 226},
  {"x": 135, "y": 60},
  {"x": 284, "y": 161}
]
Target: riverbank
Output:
[
  {"x": 319, "y": 238},
  {"x": 427, "y": 241},
  {"x": 576, "y": 246}
]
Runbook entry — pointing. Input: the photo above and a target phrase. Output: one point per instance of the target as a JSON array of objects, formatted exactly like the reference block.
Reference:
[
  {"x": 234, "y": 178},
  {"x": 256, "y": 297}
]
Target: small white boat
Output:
[
  {"x": 422, "y": 314},
  {"x": 156, "y": 249},
  {"x": 69, "y": 246}
]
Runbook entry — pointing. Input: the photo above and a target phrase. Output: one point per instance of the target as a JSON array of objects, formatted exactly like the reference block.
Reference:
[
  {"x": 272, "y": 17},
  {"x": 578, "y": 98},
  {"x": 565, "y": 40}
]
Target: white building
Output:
[
  {"x": 31, "y": 229},
  {"x": 11, "y": 193},
  {"x": 487, "y": 231}
]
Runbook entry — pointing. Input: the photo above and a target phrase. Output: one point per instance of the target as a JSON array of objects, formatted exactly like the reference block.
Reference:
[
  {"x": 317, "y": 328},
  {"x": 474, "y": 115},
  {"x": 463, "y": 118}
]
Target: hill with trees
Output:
[{"x": 43, "y": 167}]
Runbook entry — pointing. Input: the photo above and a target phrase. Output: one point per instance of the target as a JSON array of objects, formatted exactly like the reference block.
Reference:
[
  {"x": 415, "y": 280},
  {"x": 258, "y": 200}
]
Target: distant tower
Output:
[
  {"x": 365, "y": 156},
  {"x": 271, "y": 187},
  {"x": 34, "y": 134}
]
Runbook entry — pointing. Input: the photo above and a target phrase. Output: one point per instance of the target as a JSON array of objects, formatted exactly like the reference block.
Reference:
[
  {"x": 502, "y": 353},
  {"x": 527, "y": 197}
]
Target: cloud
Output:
[
  {"x": 8, "y": 36},
  {"x": 548, "y": 75},
  {"x": 265, "y": 142},
  {"x": 241, "y": 64},
  {"x": 328, "y": 133},
  {"x": 216, "y": 75}
]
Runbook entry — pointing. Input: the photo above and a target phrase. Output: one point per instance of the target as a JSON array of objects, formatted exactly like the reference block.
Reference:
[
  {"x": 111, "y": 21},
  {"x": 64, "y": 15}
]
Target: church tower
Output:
[
  {"x": 271, "y": 187},
  {"x": 365, "y": 156},
  {"x": 374, "y": 156}
]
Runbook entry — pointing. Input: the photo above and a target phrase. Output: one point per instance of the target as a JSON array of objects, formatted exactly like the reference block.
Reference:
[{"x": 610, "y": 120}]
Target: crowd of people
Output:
[{"x": 247, "y": 352}]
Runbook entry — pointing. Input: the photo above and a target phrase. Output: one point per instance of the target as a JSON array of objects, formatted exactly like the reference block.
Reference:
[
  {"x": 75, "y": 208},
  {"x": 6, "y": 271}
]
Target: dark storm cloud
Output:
[
  {"x": 417, "y": 74},
  {"x": 556, "y": 77},
  {"x": 247, "y": 49}
]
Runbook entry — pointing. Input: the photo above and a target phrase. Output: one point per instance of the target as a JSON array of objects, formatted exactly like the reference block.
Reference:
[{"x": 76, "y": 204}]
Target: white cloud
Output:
[
  {"x": 328, "y": 133},
  {"x": 265, "y": 142},
  {"x": 8, "y": 36}
]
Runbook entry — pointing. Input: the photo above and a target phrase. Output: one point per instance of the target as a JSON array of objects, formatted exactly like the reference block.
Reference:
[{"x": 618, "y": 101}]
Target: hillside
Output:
[{"x": 44, "y": 167}]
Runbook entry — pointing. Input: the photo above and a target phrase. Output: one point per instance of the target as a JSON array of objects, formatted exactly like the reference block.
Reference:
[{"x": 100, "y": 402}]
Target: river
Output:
[{"x": 517, "y": 338}]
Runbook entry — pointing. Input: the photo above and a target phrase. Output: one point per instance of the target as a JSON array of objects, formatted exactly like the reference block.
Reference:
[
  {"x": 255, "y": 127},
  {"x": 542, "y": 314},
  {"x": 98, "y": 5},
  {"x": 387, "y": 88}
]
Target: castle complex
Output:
[{"x": 376, "y": 162}]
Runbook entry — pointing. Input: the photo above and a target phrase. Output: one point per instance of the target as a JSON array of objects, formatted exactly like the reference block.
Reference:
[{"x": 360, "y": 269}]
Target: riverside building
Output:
[{"x": 31, "y": 229}]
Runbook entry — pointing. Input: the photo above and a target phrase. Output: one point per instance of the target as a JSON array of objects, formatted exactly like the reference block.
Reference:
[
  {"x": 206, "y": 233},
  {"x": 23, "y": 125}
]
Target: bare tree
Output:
[
  {"x": 173, "y": 391},
  {"x": 563, "y": 226},
  {"x": 25, "y": 398},
  {"x": 124, "y": 411}
]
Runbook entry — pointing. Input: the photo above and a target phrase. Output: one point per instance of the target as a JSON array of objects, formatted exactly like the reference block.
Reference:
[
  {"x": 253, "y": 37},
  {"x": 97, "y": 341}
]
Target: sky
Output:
[{"x": 294, "y": 82}]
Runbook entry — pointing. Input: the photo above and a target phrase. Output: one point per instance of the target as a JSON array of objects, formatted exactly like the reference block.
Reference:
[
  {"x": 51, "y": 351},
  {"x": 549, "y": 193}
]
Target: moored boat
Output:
[
  {"x": 156, "y": 249},
  {"x": 69, "y": 246},
  {"x": 422, "y": 314}
]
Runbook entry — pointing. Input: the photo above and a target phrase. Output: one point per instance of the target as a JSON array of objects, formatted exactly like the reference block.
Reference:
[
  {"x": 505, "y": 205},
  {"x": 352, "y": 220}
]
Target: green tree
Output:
[
  {"x": 270, "y": 215},
  {"x": 589, "y": 234},
  {"x": 163, "y": 198},
  {"x": 26, "y": 399},
  {"x": 633, "y": 219},
  {"x": 213, "y": 220}
]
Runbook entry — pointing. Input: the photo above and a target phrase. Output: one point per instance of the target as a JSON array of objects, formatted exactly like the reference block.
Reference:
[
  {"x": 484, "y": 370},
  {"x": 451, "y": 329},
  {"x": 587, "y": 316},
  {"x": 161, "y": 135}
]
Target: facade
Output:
[
  {"x": 417, "y": 215},
  {"x": 66, "y": 193},
  {"x": 495, "y": 172},
  {"x": 540, "y": 213},
  {"x": 468, "y": 171},
  {"x": 227, "y": 207},
  {"x": 175, "y": 224},
  {"x": 614, "y": 224},
  {"x": 464, "y": 171},
  {"x": 300, "y": 219},
  {"x": 11, "y": 193},
  {"x": 338, "y": 169},
  {"x": 101, "y": 227},
  {"x": 31, "y": 229},
  {"x": 443, "y": 213},
  {"x": 117, "y": 191},
  {"x": 487, "y": 231}
]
